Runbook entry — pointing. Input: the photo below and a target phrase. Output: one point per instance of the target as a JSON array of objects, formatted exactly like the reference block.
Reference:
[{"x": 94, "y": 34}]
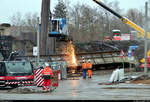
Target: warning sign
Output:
[
  {"x": 35, "y": 51},
  {"x": 122, "y": 54},
  {"x": 130, "y": 53}
]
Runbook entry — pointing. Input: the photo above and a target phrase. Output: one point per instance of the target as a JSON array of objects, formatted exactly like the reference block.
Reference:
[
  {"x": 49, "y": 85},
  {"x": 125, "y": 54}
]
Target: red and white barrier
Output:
[
  {"x": 38, "y": 77},
  {"x": 24, "y": 83},
  {"x": 8, "y": 83},
  {"x": 58, "y": 75}
]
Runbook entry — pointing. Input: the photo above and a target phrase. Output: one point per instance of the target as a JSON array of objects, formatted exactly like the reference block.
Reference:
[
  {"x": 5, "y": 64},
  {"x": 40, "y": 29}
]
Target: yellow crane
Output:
[{"x": 140, "y": 30}]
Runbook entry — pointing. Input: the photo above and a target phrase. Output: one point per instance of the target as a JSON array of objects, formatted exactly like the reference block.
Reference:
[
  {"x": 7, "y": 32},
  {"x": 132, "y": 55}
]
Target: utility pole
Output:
[
  {"x": 146, "y": 30},
  {"x": 38, "y": 40},
  {"x": 51, "y": 41},
  {"x": 47, "y": 45},
  {"x": 44, "y": 26}
]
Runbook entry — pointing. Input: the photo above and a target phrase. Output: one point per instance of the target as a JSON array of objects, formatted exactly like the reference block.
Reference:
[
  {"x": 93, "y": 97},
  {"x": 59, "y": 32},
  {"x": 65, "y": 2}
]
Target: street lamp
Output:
[{"x": 146, "y": 30}]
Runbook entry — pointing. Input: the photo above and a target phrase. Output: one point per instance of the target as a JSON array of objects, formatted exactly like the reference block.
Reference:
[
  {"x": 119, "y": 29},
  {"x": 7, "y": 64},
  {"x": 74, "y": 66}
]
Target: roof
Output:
[{"x": 116, "y": 30}]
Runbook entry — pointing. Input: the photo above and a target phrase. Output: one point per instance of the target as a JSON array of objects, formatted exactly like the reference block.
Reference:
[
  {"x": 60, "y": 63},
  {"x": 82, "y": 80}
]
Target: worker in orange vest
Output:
[
  {"x": 84, "y": 68},
  {"x": 89, "y": 67},
  {"x": 47, "y": 74}
]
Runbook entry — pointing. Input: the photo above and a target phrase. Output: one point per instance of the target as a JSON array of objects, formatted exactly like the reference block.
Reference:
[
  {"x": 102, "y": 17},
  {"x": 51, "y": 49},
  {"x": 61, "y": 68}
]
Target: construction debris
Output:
[
  {"x": 143, "y": 79},
  {"x": 140, "y": 80},
  {"x": 117, "y": 75}
]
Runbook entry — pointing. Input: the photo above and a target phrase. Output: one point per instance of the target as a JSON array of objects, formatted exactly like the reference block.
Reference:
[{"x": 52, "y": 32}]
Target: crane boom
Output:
[{"x": 124, "y": 19}]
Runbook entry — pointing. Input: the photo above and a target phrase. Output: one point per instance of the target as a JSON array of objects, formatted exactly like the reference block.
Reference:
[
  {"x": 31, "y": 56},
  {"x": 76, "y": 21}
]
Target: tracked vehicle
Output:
[{"x": 13, "y": 72}]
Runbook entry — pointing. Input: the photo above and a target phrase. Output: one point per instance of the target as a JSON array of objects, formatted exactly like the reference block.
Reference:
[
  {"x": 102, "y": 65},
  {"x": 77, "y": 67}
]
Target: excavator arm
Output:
[{"x": 124, "y": 19}]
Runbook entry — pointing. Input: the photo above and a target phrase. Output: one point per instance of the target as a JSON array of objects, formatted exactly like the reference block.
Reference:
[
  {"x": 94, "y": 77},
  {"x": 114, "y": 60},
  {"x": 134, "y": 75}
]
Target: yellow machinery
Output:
[
  {"x": 140, "y": 31},
  {"x": 143, "y": 59}
]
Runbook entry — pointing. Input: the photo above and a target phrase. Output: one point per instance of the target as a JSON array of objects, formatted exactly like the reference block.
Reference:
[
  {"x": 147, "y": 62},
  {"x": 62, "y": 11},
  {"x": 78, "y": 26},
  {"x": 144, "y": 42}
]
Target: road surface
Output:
[{"x": 82, "y": 89}]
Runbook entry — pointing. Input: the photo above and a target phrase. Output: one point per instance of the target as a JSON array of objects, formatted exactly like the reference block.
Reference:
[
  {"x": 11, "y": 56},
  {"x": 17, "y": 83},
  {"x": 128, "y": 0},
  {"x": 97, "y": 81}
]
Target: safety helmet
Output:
[
  {"x": 83, "y": 60},
  {"x": 89, "y": 60},
  {"x": 46, "y": 64}
]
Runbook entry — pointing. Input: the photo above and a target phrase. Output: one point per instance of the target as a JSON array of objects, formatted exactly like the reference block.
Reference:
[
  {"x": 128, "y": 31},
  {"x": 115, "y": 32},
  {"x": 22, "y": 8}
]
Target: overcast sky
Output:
[{"x": 10, "y": 7}]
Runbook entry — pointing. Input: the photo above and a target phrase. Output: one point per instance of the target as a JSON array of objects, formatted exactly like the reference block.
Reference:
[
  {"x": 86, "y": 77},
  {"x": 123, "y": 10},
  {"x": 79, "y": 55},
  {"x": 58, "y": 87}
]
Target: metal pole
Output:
[
  {"x": 108, "y": 29},
  {"x": 146, "y": 29},
  {"x": 123, "y": 62},
  {"x": 130, "y": 67},
  {"x": 67, "y": 14},
  {"x": 38, "y": 40}
]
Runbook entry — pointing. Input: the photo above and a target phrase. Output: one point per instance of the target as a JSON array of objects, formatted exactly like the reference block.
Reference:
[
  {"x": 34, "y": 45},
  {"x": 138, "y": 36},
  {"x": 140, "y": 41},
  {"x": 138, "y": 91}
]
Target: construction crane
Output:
[{"x": 139, "y": 29}]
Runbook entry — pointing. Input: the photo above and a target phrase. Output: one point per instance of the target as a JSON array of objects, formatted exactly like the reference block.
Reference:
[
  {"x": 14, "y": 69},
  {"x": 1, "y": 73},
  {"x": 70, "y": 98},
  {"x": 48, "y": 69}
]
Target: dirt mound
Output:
[
  {"x": 141, "y": 82},
  {"x": 102, "y": 46},
  {"x": 144, "y": 79}
]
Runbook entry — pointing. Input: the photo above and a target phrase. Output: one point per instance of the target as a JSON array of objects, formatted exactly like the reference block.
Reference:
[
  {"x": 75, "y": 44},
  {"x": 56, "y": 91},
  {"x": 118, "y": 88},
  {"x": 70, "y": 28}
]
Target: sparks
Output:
[{"x": 69, "y": 50}]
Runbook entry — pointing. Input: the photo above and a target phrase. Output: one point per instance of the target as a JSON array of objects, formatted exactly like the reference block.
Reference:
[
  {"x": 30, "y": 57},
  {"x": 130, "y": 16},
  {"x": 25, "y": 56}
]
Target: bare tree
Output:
[
  {"x": 74, "y": 22},
  {"x": 90, "y": 24},
  {"x": 31, "y": 20},
  {"x": 136, "y": 16},
  {"x": 17, "y": 19},
  {"x": 20, "y": 22}
]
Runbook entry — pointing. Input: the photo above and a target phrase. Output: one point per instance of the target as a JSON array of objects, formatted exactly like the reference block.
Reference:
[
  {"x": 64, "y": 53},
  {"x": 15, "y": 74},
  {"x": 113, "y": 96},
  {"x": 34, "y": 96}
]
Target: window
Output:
[
  {"x": 116, "y": 32},
  {"x": 54, "y": 25},
  {"x": 2, "y": 69},
  {"x": 19, "y": 68}
]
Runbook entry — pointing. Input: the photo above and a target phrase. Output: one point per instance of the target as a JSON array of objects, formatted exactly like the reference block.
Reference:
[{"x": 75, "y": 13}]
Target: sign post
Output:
[
  {"x": 35, "y": 52},
  {"x": 130, "y": 58},
  {"x": 123, "y": 62},
  {"x": 38, "y": 40},
  {"x": 122, "y": 54}
]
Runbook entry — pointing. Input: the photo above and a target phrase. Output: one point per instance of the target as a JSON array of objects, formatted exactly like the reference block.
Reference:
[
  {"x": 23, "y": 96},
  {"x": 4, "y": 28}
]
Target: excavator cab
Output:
[
  {"x": 116, "y": 34},
  {"x": 58, "y": 27}
]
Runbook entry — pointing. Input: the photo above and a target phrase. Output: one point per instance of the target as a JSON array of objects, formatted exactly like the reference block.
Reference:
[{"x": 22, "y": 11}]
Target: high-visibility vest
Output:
[
  {"x": 83, "y": 65},
  {"x": 47, "y": 71},
  {"x": 89, "y": 65}
]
